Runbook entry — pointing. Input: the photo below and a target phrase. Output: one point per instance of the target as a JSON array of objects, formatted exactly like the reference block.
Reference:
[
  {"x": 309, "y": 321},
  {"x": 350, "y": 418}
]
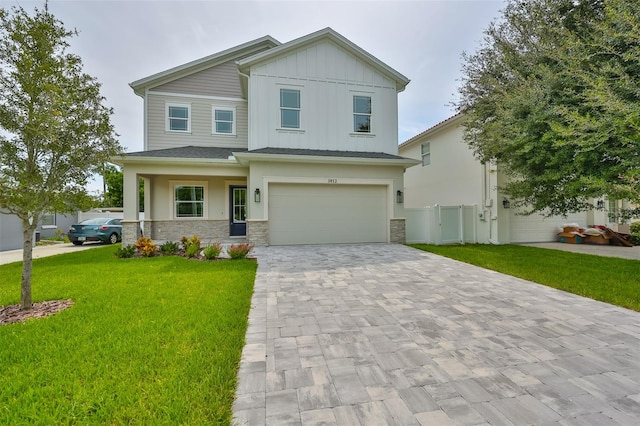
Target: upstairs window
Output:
[
  {"x": 189, "y": 200},
  {"x": 289, "y": 109},
  {"x": 224, "y": 121},
  {"x": 426, "y": 154},
  {"x": 362, "y": 114},
  {"x": 178, "y": 118}
]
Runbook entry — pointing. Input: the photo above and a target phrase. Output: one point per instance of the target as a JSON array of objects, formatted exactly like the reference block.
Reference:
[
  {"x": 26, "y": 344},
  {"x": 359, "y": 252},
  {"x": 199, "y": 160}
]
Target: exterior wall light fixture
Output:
[
  {"x": 506, "y": 203},
  {"x": 399, "y": 197},
  {"x": 256, "y": 195}
]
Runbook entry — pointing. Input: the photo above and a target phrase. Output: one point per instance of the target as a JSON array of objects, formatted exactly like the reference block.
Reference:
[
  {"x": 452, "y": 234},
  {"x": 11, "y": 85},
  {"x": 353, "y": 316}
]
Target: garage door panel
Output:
[{"x": 320, "y": 214}]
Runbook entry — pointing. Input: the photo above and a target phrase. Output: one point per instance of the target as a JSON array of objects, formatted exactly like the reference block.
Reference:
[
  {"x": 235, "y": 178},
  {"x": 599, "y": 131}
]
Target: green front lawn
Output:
[
  {"x": 147, "y": 341},
  {"x": 611, "y": 280}
]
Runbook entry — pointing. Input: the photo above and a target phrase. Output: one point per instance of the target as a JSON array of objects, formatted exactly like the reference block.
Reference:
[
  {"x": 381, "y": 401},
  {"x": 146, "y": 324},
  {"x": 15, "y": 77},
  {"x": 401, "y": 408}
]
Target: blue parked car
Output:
[{"x": 107, "y": 230}]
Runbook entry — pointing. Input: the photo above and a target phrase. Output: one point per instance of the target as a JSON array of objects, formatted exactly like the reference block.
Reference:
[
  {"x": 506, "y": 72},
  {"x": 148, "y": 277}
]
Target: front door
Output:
[{"x": 238, "y": 209}]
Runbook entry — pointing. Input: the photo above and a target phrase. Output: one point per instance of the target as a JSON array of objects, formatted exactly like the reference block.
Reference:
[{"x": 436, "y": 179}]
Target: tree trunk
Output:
[{"x": 27, "y": 261}]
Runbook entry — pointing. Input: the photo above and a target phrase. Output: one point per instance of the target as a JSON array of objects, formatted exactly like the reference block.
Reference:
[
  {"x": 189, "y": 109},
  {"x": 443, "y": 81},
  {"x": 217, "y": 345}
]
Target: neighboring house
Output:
[
  {"x": 450, "y": 175},
  {"x": 11, "y": 237},
  {"x": 271, "y": 143}
]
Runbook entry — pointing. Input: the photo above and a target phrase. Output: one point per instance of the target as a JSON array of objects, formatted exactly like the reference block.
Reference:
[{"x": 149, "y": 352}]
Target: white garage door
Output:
[
  {"x": 537, "y": 229},
  {"x": 320, "y": 214}
]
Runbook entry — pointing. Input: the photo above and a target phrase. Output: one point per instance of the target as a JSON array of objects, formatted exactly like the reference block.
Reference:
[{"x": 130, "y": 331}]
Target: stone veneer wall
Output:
[
  {"x": 173, "y": 230},
  {"x": 398, "y": 232},
  {"x": 258, "y": 232},
  {"x": 130, "y": 232}
]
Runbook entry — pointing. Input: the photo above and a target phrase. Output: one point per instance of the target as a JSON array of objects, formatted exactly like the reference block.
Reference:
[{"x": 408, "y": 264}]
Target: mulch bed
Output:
[{"x": 12, "y": 313}]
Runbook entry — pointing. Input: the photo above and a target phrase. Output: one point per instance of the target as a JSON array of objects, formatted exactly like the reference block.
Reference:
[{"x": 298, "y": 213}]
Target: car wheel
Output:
[
  {"x": 77, "y": 243},
  {"x": 113, "y": 238}
]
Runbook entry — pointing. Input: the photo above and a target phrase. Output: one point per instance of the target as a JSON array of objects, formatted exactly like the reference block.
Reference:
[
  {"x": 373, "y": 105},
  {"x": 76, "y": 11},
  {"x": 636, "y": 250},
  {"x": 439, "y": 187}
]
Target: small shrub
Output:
[
  {"x": 239, "y": 251},
  {"x": 59, "y": 235},
  {"x": 192, "y": 250},
  {"x": 125, "y": 252},
  {"x": 212, "y": 251},
  {"x": 146, "y": 247},
  {"x": 635, "y": 239},
  {"x": 188, "y": 242},
  {"x": 169, "y": 248},
  {"x": 635, "y": 227}
]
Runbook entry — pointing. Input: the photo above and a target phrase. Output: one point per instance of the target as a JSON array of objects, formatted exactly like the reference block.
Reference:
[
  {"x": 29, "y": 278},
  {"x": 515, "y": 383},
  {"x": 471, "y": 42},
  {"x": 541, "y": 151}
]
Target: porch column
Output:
[{"x": 130, "y": 223}]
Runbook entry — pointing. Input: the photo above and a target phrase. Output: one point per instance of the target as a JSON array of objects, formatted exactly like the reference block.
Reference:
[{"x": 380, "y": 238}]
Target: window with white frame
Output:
[
  {"x": 178, "y": 117},
  {"x": 426, "y": 154},
  {"x": 361, "y": 114},
  {"x": 48, "y": 220},
  {"x": 289, "y": 108},
  {"x": 189, "y": 200},
  {"x": 224, "y": 120}
]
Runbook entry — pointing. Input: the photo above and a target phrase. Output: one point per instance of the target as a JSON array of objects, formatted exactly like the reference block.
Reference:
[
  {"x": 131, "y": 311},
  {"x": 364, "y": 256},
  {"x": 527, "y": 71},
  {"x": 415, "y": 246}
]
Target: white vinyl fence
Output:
[{"x": 442, "y": 225}]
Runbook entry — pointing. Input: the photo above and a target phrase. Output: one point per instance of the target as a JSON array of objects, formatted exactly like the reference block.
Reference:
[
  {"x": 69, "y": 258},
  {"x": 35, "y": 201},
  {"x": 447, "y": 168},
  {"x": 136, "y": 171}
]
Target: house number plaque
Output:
[{"x": 332, "y": 180}]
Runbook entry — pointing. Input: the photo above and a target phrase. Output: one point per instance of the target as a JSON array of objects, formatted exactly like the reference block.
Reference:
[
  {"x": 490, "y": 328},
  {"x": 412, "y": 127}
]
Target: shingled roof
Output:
[
  {"x": 189, "y": 152},
  {"x": 325, "y": 153}
]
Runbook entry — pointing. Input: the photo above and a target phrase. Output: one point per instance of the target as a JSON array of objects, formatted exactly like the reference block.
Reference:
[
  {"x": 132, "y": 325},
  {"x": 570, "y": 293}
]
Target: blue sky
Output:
[{"x": 123, "y": 41}]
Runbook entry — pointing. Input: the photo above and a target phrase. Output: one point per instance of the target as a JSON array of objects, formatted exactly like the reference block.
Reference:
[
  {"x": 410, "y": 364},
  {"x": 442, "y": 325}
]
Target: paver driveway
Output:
[{"x": 386, "y": 334}]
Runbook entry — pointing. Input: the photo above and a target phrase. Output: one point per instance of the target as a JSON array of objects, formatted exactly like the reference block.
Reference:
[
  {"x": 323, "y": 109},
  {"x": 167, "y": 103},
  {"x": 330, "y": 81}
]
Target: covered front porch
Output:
[{"x": 187, "y": 191}]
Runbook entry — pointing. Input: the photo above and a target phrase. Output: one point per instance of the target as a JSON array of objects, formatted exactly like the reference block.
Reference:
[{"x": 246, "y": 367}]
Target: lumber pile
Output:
[{"x": 601, "y": 235}]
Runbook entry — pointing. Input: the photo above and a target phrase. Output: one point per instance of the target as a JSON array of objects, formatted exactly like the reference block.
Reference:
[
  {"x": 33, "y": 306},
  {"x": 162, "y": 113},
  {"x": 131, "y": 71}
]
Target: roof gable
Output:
[
  {"x": 436, "y": 127},
  {"x": 335, "y": 39},
  {"x": 234, "y": 53}
]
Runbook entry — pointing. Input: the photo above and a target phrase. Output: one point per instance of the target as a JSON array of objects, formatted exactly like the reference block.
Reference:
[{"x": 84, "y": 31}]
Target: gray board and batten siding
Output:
[{"x": 216, "y": 86}]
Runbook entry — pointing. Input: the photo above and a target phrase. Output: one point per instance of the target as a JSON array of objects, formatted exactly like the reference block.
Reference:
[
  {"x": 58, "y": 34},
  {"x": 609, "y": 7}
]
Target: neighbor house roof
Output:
[
  {"x": 262, "y": 43},
  {"x": 330, "y": 34},
  {"x": 434, "y": 128}
]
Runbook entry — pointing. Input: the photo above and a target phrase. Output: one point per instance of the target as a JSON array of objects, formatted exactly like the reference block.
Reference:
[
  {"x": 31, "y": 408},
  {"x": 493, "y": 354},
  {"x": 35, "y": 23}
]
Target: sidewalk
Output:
[
  {"x": 11, "y": 256},
  {"x": 598, "y": 250}
]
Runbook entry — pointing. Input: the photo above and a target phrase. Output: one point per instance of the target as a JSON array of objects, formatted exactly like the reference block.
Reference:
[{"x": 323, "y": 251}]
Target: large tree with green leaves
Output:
[
  {"x": 55, "y": 130},
  {"x": 553, "y": 94}
]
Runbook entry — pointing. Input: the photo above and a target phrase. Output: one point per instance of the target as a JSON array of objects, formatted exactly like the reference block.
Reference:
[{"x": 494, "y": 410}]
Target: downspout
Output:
[{"x": 486, "y": 192}]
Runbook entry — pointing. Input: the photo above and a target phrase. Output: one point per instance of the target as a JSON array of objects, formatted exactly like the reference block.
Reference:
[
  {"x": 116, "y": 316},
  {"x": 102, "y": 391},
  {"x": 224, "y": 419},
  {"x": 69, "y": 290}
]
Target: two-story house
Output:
[
  {"x": 293, "y": 143},
  {"x": 450, "y": 176}
]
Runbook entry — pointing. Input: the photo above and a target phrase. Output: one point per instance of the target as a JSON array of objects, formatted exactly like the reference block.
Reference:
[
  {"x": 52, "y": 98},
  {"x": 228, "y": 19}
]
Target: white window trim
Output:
[
  {"x": 372, "y": 116},
  {"x": 213, "y": 120},
  {"x": 427, "y": 154},
  {"x": 172, "y": 198},
  {"x": 166, "y": 116},
  {"x": 300, "y": 128},
  {"x": 354, "y": 113},
  {"x": 55, "y": 221}
]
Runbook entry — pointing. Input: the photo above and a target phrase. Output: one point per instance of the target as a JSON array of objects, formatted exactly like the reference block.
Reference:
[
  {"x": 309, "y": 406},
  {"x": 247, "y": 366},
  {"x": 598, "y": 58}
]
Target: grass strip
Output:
[
  {"x": 147, "y": 341},
  {"x": 607, "y": 279}
]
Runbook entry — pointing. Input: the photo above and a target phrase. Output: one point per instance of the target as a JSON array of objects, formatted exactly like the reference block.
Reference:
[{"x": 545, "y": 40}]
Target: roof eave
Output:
[
  {"x": 121, "y": 160},
  {"x": 245, "y": 157}
]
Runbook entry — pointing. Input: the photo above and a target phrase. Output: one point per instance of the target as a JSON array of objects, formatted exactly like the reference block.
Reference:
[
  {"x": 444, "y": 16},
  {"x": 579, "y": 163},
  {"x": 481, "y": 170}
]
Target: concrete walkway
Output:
[
  {"x": 598, "y": 250},
  {"x": 386, "y": 334}
]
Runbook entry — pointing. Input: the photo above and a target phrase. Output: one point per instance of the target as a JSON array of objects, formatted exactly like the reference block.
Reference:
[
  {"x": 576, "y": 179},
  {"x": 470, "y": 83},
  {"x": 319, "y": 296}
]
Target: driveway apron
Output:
[{"x": 378, "y": 334}]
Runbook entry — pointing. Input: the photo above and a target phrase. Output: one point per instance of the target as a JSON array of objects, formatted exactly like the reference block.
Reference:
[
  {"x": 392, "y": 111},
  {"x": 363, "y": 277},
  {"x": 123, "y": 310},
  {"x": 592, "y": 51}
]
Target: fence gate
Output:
[{"x": 442, "y": 224}]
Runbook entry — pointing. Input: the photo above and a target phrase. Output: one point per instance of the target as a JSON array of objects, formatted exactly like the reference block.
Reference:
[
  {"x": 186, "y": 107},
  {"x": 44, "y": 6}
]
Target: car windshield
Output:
[{"x": 95, "y": 221}]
